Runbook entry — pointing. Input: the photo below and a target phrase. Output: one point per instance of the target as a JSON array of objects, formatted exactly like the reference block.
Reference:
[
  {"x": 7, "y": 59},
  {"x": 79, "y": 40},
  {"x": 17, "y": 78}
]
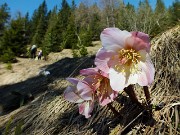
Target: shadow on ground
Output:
[
  {"x": 103, "y": 120},
  {"x": 12, "y": 96}
]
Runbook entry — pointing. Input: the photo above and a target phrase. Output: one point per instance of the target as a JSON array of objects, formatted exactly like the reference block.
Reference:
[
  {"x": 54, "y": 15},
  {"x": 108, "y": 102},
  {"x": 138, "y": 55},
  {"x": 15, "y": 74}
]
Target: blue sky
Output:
[{"x": 30, "y": 5}]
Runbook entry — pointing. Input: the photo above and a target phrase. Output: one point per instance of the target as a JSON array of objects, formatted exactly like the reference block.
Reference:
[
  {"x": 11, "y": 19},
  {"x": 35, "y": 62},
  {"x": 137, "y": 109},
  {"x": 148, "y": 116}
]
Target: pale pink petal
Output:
[
  {"x": 92, "y": 71},
  {"x": 89, "y": 71},
  {"x": 102, "y": 59},
  {"x": 143, "y": 54},
  {"x": 144, "y": 37},
  {"x": 92, "y": 81},
  {"x": 105, "y": 101},
  {"x": 84, "y": 90},
  {"x": 86, "y": 108},
  {"x": 109, "y": 95},
  {"x": 113, "y": 38},
  {"x": 104, "y": 54},
  {"x": 81, "y": 107},
  {"x": 137, "y": 43},
  {"x": 71, "y": 95},
  {"x": 147, "y": 71},
  {"x": 73, "y": 80},
  {"x": 114, "y": 94},
  {"x": 117, "y": 80},
  {"x": 102, "y": 65},
  {"x": 89, "y": 79},
  {"x": 108, "y": 99},
  {"x": 114, "y": 61}
]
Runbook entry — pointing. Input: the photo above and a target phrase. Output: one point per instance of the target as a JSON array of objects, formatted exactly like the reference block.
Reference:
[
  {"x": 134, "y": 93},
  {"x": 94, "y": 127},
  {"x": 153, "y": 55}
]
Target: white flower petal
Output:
[
  {"x": 71, "y": 95},
  {"x": 114, "y": 39},
  {"x": 146, "y": 75},
  {"x": 84, "y": 90},
  {"x": 117, "y": 80}
]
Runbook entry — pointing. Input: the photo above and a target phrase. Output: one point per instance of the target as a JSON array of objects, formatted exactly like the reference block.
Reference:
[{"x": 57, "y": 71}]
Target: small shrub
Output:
[
  {"x": 75, "y": 53},
  {"x": 9, "y": 66},
  {"x": 83, "y": 51},
  {"x": 7, "y": 56}
]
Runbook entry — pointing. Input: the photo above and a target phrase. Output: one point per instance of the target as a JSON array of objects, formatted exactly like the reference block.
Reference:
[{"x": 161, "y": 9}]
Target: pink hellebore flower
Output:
[
  {"x": 95, "y": 86},
  {"x": 100, "y": 83},
  {"x": 125, "y": 56},
  {"x": 80, "y": 92}
]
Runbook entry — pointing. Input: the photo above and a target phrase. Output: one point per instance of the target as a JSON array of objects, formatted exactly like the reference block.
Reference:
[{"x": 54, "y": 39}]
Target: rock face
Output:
[{"x": 49, "y": 113}]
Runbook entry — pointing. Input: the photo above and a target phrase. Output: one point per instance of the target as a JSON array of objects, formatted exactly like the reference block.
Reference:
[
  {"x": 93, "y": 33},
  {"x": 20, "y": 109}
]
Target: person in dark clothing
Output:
[{"x": 33, "y": 51}]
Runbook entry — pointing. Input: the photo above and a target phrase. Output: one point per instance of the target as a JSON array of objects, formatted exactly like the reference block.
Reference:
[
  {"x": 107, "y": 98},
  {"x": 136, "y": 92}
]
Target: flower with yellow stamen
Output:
[{"x": 125, "y": 57}]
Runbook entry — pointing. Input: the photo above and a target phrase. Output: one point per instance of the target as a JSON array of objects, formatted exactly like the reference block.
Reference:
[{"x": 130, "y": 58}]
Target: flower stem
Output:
[
  {"x": 147, "y": 94},
  {"x": 116, "y": 113},
  {"x": 130, "y": 91}
]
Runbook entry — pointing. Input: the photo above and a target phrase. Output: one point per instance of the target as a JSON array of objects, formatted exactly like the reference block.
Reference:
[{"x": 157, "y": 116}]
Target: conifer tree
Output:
[
  {"x": 41, "y": 24},
  {"x": 14, "y": 40},
  {"x": 65, "y": 13},
  {"x": 60, "y": 28},
  {"x": 121, "y": 16},
  {"x": 49, "y": 39},
  {"x": 4, "y": 17},
  {"x": 145, "y": 19},
  {"x": 27, "y": 27},
  {"x": 82, "y": 17},
  {"x": 174, "y": 13},
  {"x": 71, "y": 33},
  {"x": 57, "y": 35},
  {"x": 95, "y": 23},
  {"x": 160, "y": 17}
]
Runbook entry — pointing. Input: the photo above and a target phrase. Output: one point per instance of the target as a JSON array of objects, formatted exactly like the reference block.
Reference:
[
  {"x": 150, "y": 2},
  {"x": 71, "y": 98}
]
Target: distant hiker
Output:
[
  {"x": 40, "y": 55},
  {"x": 33, "y": 51}
]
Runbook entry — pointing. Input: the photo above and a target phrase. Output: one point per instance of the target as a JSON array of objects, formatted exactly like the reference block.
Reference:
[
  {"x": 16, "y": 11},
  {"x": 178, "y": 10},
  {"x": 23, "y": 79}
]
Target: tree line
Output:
[{"x": 75, "y": 27}]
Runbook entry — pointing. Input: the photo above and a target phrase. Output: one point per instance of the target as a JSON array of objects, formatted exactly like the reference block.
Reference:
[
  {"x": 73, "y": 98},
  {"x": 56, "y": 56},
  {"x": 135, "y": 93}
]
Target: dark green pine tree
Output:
[
  {"x": 174, "y": 13},
  {"x": 41, "y": 24},
  {"x": 27, "y": 27},
  {"x": 49, "y": 39},
  {"x": 57, "y": 35},
  {"x": 65, "y": 13},
  {"x": 14, "y": 39},
  {"x": 121, "y": 16},
  {"x": 126, "y": 16},
  {"x": 34, "y": 22},
  {"x": 4, "y": 17},
  {"x": 160, "y": 7},
  {"x": 71, "y": 37},
  {"x": 71, "y": 34},
  {"x": 95, "y": 24},
  {"x": 86, "y": 37},
  {"x": 160, "y": 15},
  {"x": 59, "y": 30},
  {"x": 144, "y": 17}
]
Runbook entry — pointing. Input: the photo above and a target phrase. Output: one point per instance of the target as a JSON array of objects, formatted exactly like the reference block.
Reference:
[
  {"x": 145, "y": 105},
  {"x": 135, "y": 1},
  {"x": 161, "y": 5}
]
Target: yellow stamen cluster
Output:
[
  {"x": 128, "y": 58},
  {"x": 131, "y": 56}
]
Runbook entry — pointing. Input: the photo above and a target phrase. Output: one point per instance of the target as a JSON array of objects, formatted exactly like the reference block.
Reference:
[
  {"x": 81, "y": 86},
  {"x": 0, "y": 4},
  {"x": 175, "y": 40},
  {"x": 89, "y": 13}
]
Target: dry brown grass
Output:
[{"x": 50, "y": 114}]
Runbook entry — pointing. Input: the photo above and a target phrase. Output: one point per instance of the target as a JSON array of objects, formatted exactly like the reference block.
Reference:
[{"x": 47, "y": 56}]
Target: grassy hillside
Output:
[{"x": 49, "y": 113}]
